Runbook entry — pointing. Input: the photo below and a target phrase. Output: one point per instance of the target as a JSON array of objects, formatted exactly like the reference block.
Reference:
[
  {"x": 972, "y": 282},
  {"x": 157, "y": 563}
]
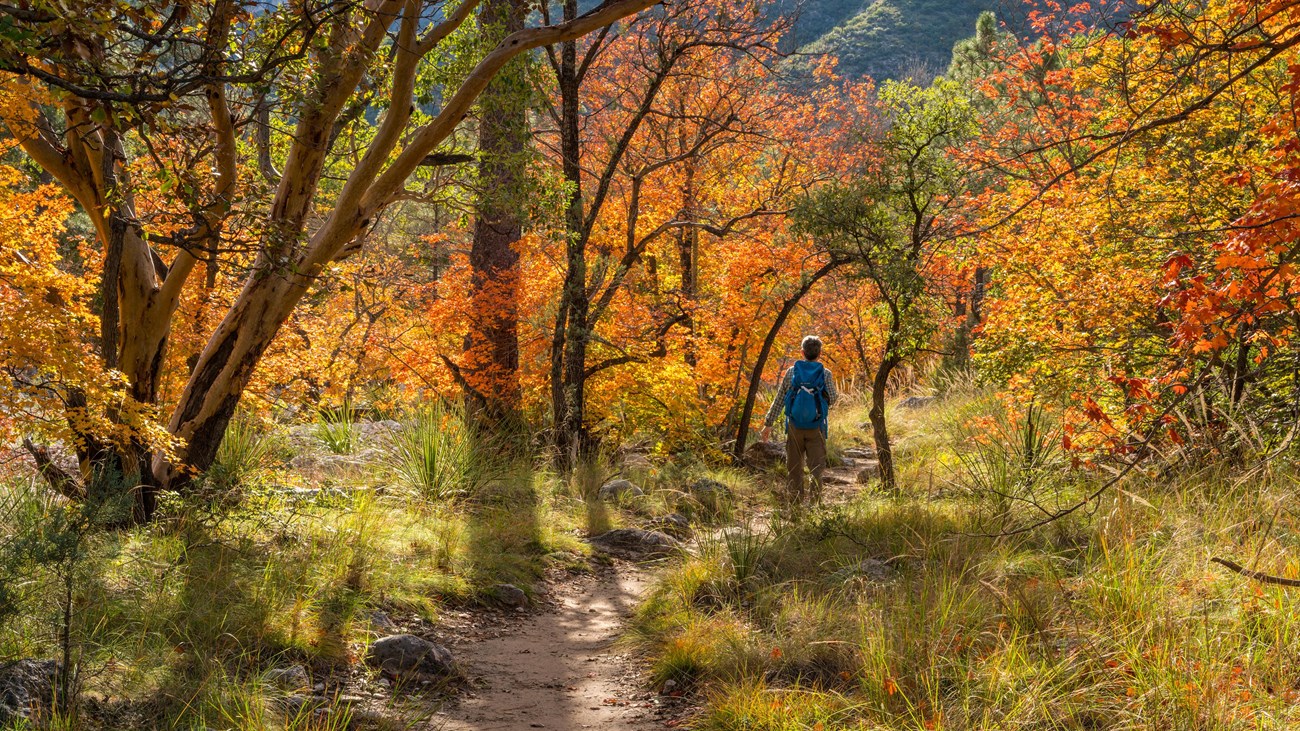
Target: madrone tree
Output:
[{"x": 98, "y": 87}]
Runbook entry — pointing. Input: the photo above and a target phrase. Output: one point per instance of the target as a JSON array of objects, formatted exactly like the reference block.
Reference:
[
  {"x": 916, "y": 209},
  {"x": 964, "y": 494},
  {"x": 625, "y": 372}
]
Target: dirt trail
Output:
[{"x": 559, "y": 668}]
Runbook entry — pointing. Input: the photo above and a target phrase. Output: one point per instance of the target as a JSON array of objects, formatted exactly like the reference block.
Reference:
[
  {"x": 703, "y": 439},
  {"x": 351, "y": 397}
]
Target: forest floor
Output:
[{"x": 900, "y": 611}]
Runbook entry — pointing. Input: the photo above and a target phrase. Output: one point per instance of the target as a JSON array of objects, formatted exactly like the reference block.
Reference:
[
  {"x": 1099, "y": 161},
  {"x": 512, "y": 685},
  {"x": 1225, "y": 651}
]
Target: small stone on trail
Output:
[
  {"x": 617, "y": 490},
  {"x": 634, "y": 543},
  {"x": 509, "y": 595},
  {"x": 401, "y": 655}
]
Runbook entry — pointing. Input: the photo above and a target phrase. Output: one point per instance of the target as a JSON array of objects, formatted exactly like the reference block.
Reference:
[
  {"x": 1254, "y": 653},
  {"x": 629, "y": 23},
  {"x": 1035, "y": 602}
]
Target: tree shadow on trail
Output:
[{"x": 505, "y": 543}]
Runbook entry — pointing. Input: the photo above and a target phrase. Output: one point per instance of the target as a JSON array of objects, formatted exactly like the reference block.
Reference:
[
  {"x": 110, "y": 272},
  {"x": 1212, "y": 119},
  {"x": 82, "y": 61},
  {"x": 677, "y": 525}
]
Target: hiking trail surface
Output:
[{"x": 560, "y": 667}]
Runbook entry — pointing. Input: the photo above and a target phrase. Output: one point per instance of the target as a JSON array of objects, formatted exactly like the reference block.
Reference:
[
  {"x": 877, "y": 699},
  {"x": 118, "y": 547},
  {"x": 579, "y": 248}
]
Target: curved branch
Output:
[{"x": 1259, "y": 576}]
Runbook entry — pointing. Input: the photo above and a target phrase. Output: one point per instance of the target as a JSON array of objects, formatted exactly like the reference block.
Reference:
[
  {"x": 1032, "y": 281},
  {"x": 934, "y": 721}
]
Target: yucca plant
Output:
[
  {"x": 335, "y": 429},
  {"x": 1009, "y": 460},
  {"x": 247, "y": 451},
  {"x": 434, "y": 454}
]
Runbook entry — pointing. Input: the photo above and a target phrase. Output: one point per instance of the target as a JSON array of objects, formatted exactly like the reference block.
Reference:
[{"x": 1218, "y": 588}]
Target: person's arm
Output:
[
  {"x": 778, "y": 403},
  {"x": 832, "y": 393}
]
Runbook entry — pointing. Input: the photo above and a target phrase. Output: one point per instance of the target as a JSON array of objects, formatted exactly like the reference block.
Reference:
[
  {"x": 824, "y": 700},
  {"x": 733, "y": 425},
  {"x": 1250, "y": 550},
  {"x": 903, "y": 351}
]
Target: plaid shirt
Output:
[{"x": 778, "y": 403}]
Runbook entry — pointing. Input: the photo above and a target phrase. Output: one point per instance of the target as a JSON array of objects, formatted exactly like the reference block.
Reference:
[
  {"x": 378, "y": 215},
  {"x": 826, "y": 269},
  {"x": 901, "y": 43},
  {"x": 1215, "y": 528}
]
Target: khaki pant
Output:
[{"x": 805, "y": 445}]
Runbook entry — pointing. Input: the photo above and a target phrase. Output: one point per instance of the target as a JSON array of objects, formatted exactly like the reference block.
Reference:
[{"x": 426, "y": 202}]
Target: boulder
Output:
[
  {"x": 673, "y": 524},
  {"x": 916, "y": 402},
  {"x": 633, "y": 456},
  {"x": 765, "y": 455},
  {"x": 709, "y": 495},
  {"x": 706, "y": 490},
  {"x": 26, "y": 689},
  {"x": 508, "y": 595},
  {"x": 403, "y": 656},
  {"x": 617, "y": 490},
  {"x": 634, "y": 543},
  {"x": 868, "y": 472}
]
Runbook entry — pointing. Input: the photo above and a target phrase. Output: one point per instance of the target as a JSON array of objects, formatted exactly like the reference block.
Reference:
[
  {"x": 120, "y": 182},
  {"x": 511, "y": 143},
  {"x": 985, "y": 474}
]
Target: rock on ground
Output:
[
  {"x": 872, "y": 569},
  {"x": 674, "y": 524},
  {"x": 634, "y": 543},
  {"x": 765, "y": 455},
  {"x": 616, "y": 490},
  {"x": 292, "y": 677},
  {"x": 508, "y": 595},
  {"x": 916, "y": 402},
  {"x": 706, "y": 489},
  {"x": 870, "y": 471},
  {"x": 398, "y": 656},
  {"x": 26, "y": 689}
]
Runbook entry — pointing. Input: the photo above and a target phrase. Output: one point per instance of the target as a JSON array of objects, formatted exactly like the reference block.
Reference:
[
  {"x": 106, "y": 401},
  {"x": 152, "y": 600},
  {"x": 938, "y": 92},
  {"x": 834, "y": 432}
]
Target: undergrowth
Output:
[{"x": 897, "y": 613}]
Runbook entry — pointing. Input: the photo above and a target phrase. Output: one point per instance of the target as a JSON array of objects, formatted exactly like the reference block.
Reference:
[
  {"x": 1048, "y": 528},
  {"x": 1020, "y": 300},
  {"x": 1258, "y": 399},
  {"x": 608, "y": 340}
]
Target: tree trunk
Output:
[
  {"x": 756, "y": 377},
  {"x": 491, "y": 362},
  {"x": 879, "y": 429},
  {"x": 223, "y": 371},
  {"x": 688, "y": 252},
  {"x": 569, "y": 348}
]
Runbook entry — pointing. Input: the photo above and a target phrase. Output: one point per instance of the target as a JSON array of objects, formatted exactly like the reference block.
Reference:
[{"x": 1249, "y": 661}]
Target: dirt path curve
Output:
[{"x": 559, "y": 668}]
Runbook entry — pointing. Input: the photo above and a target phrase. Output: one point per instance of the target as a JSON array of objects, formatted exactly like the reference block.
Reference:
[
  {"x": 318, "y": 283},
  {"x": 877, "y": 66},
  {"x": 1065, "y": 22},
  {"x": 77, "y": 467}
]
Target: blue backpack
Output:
[{"x": 805, "y": 401}]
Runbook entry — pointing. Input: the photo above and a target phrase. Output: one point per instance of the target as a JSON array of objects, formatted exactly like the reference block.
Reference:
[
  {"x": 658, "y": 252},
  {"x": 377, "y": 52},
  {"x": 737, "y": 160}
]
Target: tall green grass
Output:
[{"x": 248, "y": 453}]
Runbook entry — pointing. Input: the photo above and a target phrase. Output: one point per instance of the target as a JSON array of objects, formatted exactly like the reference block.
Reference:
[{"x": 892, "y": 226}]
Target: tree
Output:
[
  {"x": 1137, "y": 165},
  {"x": 665, "y": 95},
  {"x": 895, "y": 219},
  {"x": 490, "y": 365},
  {"x": 115, "y": 75}
]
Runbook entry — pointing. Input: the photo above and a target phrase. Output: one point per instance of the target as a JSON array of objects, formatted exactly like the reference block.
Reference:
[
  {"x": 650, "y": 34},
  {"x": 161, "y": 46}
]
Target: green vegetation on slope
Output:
[{"x": 887, "y": 38}]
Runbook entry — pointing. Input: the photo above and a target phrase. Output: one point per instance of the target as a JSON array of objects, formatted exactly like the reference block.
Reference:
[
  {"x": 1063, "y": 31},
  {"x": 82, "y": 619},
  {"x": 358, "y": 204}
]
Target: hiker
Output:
[{"x": 806, "y": 394}]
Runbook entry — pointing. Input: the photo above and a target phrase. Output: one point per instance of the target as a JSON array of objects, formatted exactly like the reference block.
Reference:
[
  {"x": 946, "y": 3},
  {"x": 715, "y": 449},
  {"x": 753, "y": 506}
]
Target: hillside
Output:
[{"x": 885, "y": 38}]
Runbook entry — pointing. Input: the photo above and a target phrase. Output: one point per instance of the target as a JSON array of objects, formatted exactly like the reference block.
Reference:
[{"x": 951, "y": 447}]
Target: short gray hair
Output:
[{"x": 812, "y": 347}]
